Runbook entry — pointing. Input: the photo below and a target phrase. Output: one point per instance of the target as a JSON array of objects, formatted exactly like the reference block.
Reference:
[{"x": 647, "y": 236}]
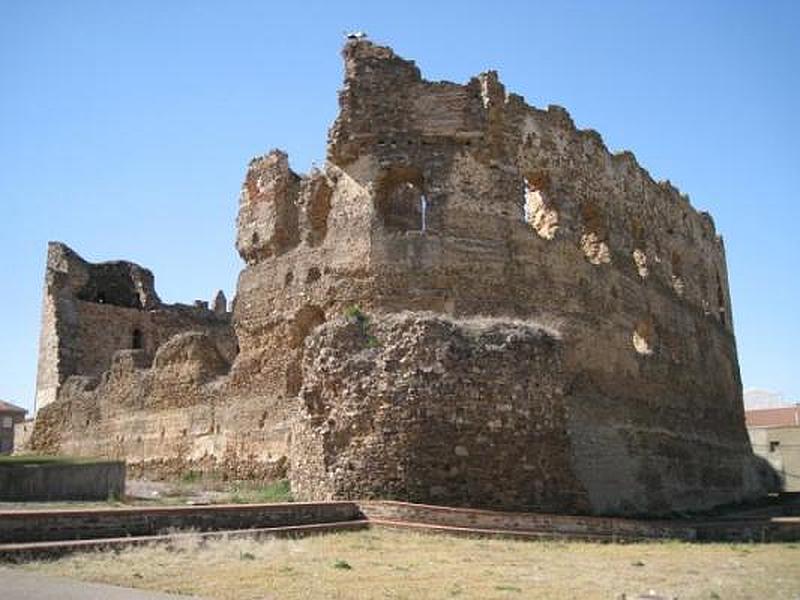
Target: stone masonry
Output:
[
  {"x": 473, "y": 303},
  {"x": 90, "y": 311}
]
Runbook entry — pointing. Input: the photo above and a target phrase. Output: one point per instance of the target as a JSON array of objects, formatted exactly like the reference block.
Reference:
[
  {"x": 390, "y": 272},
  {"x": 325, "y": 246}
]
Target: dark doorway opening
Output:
[{"x": 137, "y": 342}]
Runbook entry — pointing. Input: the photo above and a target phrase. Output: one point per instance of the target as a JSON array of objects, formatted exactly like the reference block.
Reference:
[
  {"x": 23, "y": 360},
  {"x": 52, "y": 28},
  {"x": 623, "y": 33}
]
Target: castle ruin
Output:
[{"x": 473, "y": 303}]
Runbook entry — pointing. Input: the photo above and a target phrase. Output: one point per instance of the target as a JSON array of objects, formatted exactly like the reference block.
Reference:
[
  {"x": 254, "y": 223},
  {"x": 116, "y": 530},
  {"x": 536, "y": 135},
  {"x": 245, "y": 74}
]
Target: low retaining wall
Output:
[
  {"x": 40, "y": 526},
  {"x": 61, "y": 481},
  {"x": 35, "y": 533},
  {"x": 46, "y": 550},
  {"x": 779, "y": 529},
  {"x": 566, "y": 526}
]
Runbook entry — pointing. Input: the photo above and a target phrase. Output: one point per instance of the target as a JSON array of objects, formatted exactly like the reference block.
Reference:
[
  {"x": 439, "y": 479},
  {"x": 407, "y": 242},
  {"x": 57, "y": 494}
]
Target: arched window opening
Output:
[
  {"x": 403, "y": 208},
  {"x": 401, "y": 202},
  {"x": 137, "y": 340},
  {"x": 538, "y": 209},
  {"x": 101, "y": 298},
  {"x": 594, "y": 240},
  {"x": 644, "y": 337},
  {"x": 318, "y": 209}
]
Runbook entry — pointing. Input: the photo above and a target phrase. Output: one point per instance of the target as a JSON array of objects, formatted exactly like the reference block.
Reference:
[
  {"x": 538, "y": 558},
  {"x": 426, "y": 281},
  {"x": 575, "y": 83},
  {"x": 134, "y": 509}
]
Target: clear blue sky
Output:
[{"x": 126, "y": 127}]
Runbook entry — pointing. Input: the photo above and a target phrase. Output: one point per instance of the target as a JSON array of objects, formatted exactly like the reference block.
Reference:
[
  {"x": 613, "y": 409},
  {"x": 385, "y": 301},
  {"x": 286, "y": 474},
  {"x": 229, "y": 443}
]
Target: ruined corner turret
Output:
[
  {"x": 120, "y": 283},
  {"x": 92, "y": 310}
]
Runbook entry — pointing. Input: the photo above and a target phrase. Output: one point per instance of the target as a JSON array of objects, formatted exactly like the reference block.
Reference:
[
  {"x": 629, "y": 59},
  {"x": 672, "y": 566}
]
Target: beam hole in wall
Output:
[
  {"x": 640, "y": 260},
  {"x": 595, "y": 234},
  {"x": 313, "y": 275},
  {"x": 305, "y": 320},
  {"x": 639, "y": 244},
  {"x": 644, "y": 337},
  {"x": 538, "y": 209},
  {"x": 288, "y": 278}
]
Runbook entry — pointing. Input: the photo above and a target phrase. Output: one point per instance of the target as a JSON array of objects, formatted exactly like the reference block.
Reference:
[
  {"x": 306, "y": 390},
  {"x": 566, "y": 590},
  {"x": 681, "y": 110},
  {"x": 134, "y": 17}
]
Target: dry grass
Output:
[{"x": 389, "y": 564}]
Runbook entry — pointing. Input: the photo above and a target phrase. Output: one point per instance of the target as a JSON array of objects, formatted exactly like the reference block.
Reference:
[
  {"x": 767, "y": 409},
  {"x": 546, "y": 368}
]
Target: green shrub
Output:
[
  {"x": 354, "y": 313},
  {"x": 277, "y": 491},
  {"x": 360, "y": 318},
  {"x": 342, "y": 564},
  {"x": 191, "y": 477}
]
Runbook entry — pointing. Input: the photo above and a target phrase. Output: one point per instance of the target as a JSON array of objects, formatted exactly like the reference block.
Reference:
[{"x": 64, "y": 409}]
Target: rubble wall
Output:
[{"x": 425, "y": 408}]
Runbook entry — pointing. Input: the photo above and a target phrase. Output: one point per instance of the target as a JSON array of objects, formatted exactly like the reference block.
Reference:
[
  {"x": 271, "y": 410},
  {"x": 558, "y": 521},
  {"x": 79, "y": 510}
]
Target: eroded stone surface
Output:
[{"x": 422, "y": 407}]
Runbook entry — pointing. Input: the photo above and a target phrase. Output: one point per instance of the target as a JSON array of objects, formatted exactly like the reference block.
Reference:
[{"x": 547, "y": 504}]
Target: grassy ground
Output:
[
  {"x": 390, "y": 564},
  {"x": 236, "y": 492}
]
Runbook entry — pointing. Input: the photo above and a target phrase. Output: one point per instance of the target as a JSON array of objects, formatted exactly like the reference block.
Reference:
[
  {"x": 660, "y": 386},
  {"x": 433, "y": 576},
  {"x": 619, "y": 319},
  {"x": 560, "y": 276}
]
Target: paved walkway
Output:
[{"x": 16, "y": 584}]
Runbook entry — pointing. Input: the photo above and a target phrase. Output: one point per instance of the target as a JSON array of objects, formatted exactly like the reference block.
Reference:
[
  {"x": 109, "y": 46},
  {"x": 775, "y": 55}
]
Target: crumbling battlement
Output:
[
  {"x": 473, "y": 302},
  {"x": 492, "y": 168},
  {"x": 90, "y": 311}
]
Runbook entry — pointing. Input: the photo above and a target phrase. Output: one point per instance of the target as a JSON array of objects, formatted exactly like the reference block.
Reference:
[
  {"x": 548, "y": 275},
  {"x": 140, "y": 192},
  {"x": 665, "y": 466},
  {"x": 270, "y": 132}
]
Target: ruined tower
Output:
[{"x": 472, "y": 303}]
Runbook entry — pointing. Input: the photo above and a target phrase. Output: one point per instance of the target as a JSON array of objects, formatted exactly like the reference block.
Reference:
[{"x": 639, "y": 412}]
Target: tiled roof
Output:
[
  {"x": 773, "y": 417},
  {"x": 8, "y": 407}
]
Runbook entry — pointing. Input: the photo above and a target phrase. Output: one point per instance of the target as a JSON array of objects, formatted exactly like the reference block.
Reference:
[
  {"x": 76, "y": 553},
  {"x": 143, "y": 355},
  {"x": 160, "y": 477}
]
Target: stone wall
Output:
[
  {"x": 578, "y": 312},
  {"x": 420, "y": 407},
  {"x": 90, "y": 311},
  {"x": 123, "y": 375},
  {"x": 10, "y": 422},
  {"x": 174, "y": 416},
  {"x": 780, "y": 447},
  {"x": 58, "y": 525},
  {"x": 51, "y": 481},
  {"x": 534, "y": 524}
]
